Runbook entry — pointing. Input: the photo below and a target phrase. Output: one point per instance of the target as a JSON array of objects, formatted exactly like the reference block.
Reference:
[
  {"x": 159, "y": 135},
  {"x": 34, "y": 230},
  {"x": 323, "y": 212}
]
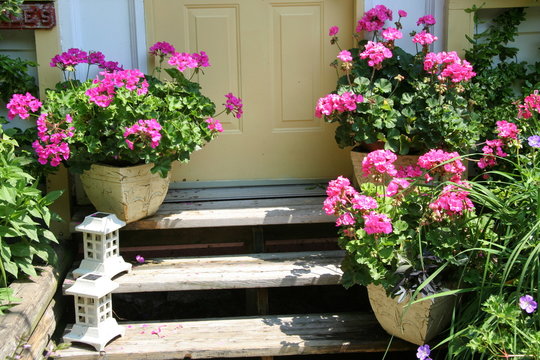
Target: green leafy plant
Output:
[
  {"x": 14, "y": 77},
  {"x": 24, "y": 218},
  {"x": 10, "y": 8},
  {"x": 409, "y": 103},
  {"x": 507, "y": 330},
  {"x": 507, "y": 195},
  {"x": 500, "y": 78},
  {"x": 123, "y": 117}
]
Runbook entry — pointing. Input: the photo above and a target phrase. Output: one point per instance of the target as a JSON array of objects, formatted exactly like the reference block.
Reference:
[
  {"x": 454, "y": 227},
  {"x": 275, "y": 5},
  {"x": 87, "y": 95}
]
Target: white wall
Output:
[
  {"x": 415, "y": 10},
  {"x": 114, "y": 27}
]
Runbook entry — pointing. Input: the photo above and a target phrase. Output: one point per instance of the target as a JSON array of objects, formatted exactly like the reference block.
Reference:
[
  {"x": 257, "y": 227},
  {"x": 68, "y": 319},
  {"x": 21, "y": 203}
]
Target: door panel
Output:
[{"x": 275, "y": 56}]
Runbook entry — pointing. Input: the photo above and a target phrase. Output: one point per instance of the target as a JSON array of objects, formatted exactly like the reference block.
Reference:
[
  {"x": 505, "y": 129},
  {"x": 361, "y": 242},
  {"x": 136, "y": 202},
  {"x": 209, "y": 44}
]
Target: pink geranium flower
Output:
[
  {"x": 20, "y": 105},
  {"x": 144, "y": 131},
  {"x": 391, "y": 34},
  {"x": 376, "y": 52},
  {"x": 214, "y": 125},
  {"x": 507, "y": 130},
  {"x": 379, "y": 162},
  {"x": 334, "y": 30},
  {"x": 345, "y": 56},
  {"x": 334, "y": 103},
  {"x": 183, "y": 61},
  {"x": 161, "y": 48},
  {"x": 424, "y": 38},
  {"x": 437, "y": 161},
  {"x": 375, "y": 223},
  {"x": 374, "y": 19},
  {"x": 234, "y": 105},
  {"x": 426, "y": 20},
  {"x": 451, "y": 202}
]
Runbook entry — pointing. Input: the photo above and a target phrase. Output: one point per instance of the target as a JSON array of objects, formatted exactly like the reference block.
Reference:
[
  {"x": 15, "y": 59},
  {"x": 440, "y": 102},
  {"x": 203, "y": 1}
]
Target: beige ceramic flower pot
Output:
[
  {"x": 420, "y": 323},
  {"x": 358, "y": 157},
  {"x": 131, "y": 193}
]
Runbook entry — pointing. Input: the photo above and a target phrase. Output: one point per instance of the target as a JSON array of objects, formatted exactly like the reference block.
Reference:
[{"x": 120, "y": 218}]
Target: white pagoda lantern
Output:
[
  {"x": 94, "y": 324},
  {"x": 101, "y": 246}
]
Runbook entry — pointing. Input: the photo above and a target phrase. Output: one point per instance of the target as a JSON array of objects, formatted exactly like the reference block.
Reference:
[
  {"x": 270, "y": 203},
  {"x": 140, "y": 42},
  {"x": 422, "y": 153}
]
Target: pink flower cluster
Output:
[
  {"x": 234, "y": 105},
  {"x": 379, "y": 162},
  {"x": 340, "y": 195},
  {"x": 443, "y": 163},
  {"x": 20, "y": 105},
  {"x": 490, "y": 150},
  {"x": 375, "y": 223},
  {"x": 333, "y": 31},
  {"x": 354, "y": 210},
  {"x": 506, "y": 132},
  {"x": 374, "y": 19},
  {"x": 103, "y": 94},
  {"x": 424, "y": 38},
  {"x": 530, "y": 103},
  {"x": 161, "y": 48},
  {"x": 50, "y": 146},
  {"x": 69, "y": 58},
  {"x": 376, "y": 52},
  {"x": 337, "y": 103},
  {"x": 402, "y": 180},
  {"x": 184, "y": 61},
  {"x": 451, "y": 202},
  {"x": 448, "y": 66},
  {"x": 391, "y": 34},
  {"x": 73, "y": 57},
  {"x": 214, "y": 124},
  {"x": 345, "y": 56},
  {"x": 144, "y": 130},
  {"x": 426, "y": 20}
]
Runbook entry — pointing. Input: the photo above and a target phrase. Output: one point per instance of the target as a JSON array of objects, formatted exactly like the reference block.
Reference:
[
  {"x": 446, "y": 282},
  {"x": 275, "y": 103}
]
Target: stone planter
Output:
[
  {"x": 357, "y": 157},
  {"x": 417, "y": 323},
  {"x": 131, "y": 193}
]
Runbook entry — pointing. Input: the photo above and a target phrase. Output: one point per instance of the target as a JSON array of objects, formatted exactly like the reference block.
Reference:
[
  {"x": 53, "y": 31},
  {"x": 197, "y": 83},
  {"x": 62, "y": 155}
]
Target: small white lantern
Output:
[
  {"x": 101, "y": 246},
  {"x": 94, "y": 324}
]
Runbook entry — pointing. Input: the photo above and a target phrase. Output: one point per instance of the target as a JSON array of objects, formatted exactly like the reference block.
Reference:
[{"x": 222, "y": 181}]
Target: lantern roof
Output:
[
  {"x": 92, "y": 285},
  {"x": 100, "y": 223}
]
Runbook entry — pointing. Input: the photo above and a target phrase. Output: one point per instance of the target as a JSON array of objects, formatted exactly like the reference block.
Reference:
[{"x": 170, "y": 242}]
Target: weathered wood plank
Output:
[
  {"x": 243, "y": 337},
  {"x": 243, "y": 192},
  {"x": 235, "y": 213},
  {"x": 232, "y": 272},
  {"x": 36, "y": 293}
]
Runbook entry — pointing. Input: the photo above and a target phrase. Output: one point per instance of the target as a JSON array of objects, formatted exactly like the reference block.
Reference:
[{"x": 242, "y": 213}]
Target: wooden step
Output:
[
  {"x": 304, "y": 210},
  {"x": 263, "y": 270},
  {"x": 240, "y": 206},
  {"x": 245, "y": 337}
]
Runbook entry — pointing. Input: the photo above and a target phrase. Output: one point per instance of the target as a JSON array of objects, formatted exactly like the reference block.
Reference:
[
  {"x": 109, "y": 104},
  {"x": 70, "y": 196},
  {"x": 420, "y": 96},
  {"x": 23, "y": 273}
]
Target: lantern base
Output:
[
  {"x": 109, "y": 268},
  {"x": 96, "y": 336}
]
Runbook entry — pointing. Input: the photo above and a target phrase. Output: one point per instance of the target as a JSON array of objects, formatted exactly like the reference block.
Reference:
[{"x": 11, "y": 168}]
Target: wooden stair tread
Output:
[
  {"x": 302, "y": 210},
  {"x": 232, "y": 206},
  {"x": 244, "y": 192},
  {"x": 244, "y": 337},
  {"x": 231, "y": 272}
]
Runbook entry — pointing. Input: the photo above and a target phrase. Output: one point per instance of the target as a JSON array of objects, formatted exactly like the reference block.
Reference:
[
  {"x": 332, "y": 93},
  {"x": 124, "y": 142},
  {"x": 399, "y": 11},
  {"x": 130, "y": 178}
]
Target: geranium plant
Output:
[
  {"x": 405, "y": 225},
  {"x": 409, "y": 102},
  {"x": 124, "y": 117}
]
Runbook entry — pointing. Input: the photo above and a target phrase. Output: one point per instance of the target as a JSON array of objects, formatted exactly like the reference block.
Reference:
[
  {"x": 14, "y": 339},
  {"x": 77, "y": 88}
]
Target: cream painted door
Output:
[{"x": 275, "y": 55}]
